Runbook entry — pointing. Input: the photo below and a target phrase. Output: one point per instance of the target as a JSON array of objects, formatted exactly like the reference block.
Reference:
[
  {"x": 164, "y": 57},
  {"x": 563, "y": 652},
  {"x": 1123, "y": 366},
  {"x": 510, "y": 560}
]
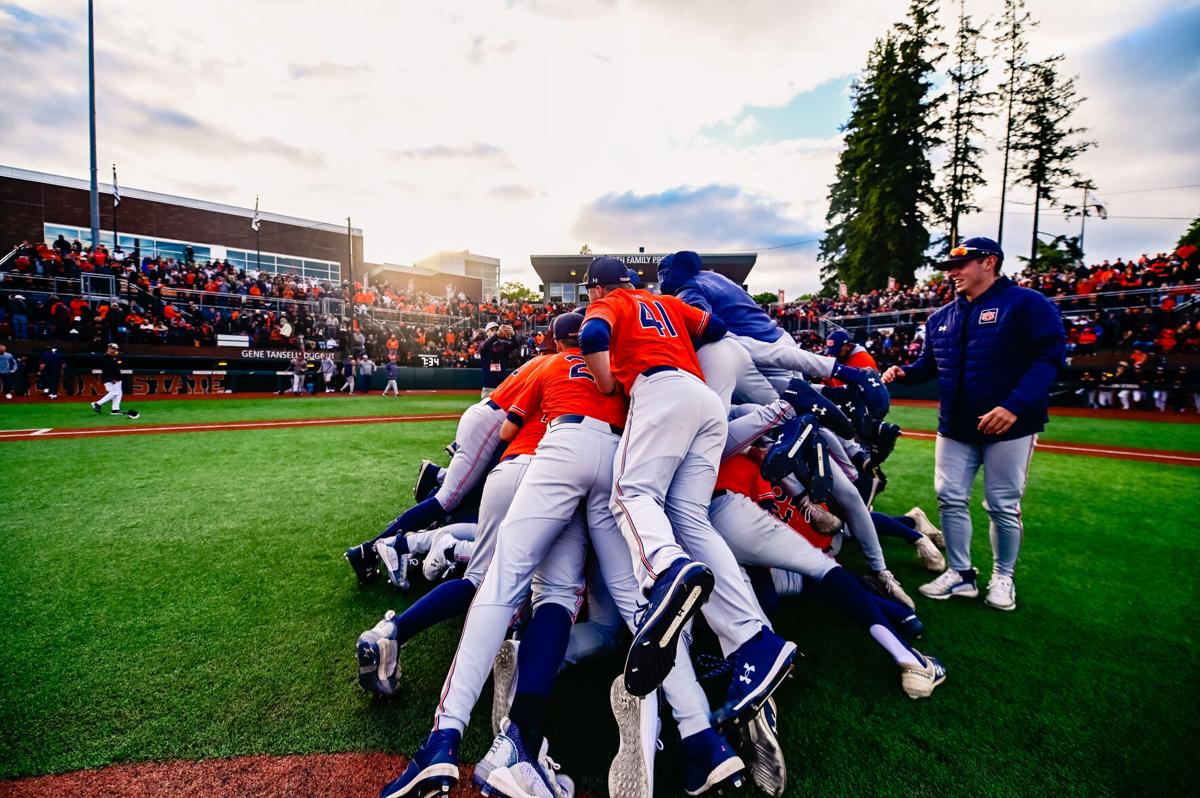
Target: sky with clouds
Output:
[{"x": 536, "y": 126}]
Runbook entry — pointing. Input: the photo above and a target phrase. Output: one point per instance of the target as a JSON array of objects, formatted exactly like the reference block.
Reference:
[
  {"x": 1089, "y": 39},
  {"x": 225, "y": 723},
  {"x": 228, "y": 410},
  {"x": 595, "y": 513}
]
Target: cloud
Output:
[
  {"x": 327, "y": 70},
  {"x": 474, "y": 151},
  {"x": 512, "y": 191},
  {"x": 480, "y": 49},
  {"x": 712, "y": 217}
]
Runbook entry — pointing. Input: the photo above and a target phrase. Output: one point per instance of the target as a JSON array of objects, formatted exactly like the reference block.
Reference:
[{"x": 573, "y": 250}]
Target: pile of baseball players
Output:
[{"x": 667, "y": 463}]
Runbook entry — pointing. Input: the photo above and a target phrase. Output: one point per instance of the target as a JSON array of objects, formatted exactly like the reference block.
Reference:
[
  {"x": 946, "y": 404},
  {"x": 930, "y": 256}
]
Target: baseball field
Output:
[{"x": 180, "y": 596}]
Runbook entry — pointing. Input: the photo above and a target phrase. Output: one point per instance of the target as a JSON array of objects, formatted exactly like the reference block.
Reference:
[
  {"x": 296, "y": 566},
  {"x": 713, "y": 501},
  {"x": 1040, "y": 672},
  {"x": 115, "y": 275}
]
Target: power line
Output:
[
  {"x": 1144, "y": 190},
  {"x": 1110, "y": 216}
]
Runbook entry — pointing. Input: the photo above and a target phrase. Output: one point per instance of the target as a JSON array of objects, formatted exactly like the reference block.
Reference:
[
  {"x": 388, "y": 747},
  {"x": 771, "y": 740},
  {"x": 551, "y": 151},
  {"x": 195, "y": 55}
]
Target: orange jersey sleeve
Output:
[
  {"x": 565, "y": 386},
  {"x": 648, "y": 330},
  {"x": 514, "y": 382},
  {"x": 527, "y": 439}
]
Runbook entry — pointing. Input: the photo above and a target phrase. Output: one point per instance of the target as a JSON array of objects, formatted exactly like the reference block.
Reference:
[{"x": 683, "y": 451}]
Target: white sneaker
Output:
[
  {"x": 887, "y": 585},
  {"x": 1001, "y": 593},
  {"x": 948, "y": 585},
  {"x": 926, "y": 527},
  {"x": 931, "y": 558},
  {"x": 395, "y": 563},
  {"x": 631, "y": 774},
  {"x": 504, "y": 682},
  {"x": 440, "y": 559},
  {"x": 918, "y": 682}
]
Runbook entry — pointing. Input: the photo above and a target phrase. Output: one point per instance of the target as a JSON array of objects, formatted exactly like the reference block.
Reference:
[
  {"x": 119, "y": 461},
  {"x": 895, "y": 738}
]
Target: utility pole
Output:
[
  {"x": 350, "y": 250},
  {"x": 95, "y": 197},
  {"x": 1083, "y": 219}
]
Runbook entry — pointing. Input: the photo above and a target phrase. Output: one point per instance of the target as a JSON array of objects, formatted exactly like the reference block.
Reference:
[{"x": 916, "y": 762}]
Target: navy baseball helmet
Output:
[
  {"x": 635, "y": 279},
  {"x": 836, "y": 340},
  {"x": 972, "y": 248},
  {"x": 607, "y": 271},
  {"x": 566, "y": 325}
]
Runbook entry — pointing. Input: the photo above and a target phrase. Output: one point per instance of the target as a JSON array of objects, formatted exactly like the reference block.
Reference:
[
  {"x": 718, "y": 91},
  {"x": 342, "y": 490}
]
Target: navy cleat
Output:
[
  {"x": 378, "y": 656},
  {"x": 508, "y": 771},
  {"x": 919, "y": 681},
  {"x": 426, "y": 480},
  {"x": 781, "y": 459},
  {"x": 710, "y": 763},
  {"x": 807, "y": 400},
  {"x": 884, "y": 441},
  {"x": 362, "y": 559},
  {"x": 676, "y": 597},
  {"x": 759, "y": 666},
  {"x": 96, "y": 407},
  {"x": 432, "y": 771},
  {"x": 758, "y": 745}
]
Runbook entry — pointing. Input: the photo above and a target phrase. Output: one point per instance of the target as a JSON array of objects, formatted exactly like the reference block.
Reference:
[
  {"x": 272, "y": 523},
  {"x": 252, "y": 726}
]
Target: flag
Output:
[
  {"x": 116, "y": 191},
  {"x": 254, "y": 223},
  {"x": 1100, "y": 206}
]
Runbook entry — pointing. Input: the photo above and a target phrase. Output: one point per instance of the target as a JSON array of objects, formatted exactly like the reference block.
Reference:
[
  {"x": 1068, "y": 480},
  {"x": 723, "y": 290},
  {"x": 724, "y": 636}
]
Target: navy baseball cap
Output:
[
  {"x": 566, "y": 325},
  {"x": 836, "y": 340},
  {"x": 971, "y": 249},
  {"x": 606, "y": 271},
  {"x": 635, "y": 279}
]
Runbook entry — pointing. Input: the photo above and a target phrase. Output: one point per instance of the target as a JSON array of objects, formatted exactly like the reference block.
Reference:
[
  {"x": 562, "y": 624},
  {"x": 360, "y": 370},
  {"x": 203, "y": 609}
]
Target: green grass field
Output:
[{"x": 184, "y": 596}]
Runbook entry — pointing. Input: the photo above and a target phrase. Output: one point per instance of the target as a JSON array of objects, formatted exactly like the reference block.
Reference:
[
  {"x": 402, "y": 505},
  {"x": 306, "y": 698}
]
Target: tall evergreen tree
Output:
[
  {"x": 883, "y": 196},
  {"x": 1045, "y": 142},
  {"x": 1012, "y": 46},
  {"x": 969, "y": 105}
]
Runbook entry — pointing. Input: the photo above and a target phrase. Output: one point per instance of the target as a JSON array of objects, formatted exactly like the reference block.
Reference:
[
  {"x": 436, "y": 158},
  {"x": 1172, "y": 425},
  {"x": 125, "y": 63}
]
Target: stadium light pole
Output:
[{"x": 95, "y": 197}]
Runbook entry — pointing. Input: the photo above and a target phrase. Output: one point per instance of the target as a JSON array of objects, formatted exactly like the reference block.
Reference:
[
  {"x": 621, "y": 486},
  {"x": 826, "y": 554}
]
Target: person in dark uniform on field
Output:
[
  {"x": 110, "y": 375},
  {"x": 51, "y": 368},
  {"x": 496, "y": 356}
]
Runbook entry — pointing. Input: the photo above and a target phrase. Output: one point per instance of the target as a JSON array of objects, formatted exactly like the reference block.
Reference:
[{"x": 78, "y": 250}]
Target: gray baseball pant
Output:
[{"x": 1005, "y": 468}]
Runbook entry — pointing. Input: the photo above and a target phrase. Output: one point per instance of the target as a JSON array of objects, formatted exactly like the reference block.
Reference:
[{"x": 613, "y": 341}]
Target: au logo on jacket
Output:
[{"x": 989, "y": 316}]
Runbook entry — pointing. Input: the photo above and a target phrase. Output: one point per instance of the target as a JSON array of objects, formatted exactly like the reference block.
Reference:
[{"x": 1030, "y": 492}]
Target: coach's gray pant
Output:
[{"x": 1005, "y": 467}]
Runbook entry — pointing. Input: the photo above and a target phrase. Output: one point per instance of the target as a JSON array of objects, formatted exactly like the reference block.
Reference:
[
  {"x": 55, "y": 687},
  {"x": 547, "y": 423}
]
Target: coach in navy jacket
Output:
[{"x": 995, "y": 350}]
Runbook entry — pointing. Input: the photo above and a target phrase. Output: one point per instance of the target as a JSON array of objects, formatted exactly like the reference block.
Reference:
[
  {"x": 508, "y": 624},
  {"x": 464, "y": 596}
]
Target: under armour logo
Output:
[
  {"x": 943, "y": 328},
  {"x": 874, "y": 383},
  {"x": 820, "y": 411},
  {"x": 747, "y": 669}
]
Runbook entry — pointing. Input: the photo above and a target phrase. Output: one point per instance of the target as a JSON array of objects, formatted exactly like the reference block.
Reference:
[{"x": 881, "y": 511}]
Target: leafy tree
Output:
[
  {"x": 1061, "y": 253},
  {"x": 1013, "y": 46},
  {"x": 1045, "y": 143},
  {"x": 585, "y": 250},
  {"x": 883, "y": 195},
  {"x": 518, "y": 292},
  {"x": 1191, "y": 236},
  {"x": 766, "y": 298},
  {"x": 969, "y": 105}
]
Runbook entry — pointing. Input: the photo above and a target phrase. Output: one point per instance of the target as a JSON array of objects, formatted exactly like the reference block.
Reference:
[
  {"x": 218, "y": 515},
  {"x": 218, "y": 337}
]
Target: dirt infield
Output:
[
  {"x": 316, "y": 775},
  {"x": 1091, "y": 450}
]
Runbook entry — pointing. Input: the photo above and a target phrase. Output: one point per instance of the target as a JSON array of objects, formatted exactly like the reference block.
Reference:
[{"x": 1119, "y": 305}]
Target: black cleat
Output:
[{"x": 363, "y": 559}]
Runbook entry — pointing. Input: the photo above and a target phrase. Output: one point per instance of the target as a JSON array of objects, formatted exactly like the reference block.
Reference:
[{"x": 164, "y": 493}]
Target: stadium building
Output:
[
  {"x": 562, "y": 275},
  {"x": 36, "y": 206}
]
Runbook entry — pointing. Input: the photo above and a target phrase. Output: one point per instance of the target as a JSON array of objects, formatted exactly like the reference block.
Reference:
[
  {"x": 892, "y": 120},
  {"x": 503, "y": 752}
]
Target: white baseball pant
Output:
[
  {"x": 666, "y": 467},
  {"x": 114, "y": 394},
  {"x": 498, "y": 492},
  {"x": 478, "y": 437},
  {"x": 758, "y": 538},
  {"x": 780, "y": 359}
]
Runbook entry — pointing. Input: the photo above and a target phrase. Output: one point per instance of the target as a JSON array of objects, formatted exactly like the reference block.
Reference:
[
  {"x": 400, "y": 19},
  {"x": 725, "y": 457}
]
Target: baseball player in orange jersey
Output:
[{"x": 666, "y": 466}]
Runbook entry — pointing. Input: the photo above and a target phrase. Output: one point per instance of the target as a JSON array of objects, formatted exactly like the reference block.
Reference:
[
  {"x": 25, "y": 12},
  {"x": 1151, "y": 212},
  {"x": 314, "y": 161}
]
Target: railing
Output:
[{"x": 1187, "y": 295}]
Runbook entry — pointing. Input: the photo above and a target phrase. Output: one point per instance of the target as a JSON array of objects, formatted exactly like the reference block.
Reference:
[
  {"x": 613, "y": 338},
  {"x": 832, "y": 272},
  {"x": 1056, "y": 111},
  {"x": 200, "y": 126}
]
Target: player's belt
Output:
[
  {"x": 492, "y": 405},
  {"x": 572, "y": 418},
  {"x": 650, "y": 372}
]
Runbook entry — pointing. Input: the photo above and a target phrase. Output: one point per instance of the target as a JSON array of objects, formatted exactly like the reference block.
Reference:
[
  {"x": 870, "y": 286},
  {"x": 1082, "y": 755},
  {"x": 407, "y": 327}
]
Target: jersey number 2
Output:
[
  {"x": 579, "y": 370},
  {"x": 656, "y": 317}
]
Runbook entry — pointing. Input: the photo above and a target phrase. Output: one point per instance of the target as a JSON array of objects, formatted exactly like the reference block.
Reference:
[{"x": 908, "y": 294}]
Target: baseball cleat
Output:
[
  {"x": 783, "y": 456},
  {"x": 887, "y": 585},
  {"x": 433, "y": 769},
  {"x": 440, "y": 559},
  {"x": 931, "y": 558},
  {"x": 1001, "y": 593},
  {"x": 675, "y": 598},
  {"x": 951, "y": 584},
  {"x": 759, "y": 667},
  {"x": 509, "y": 772},
  {"x": 884, "y": 442},
  {"x": 95, "y": 406},
  {"x": 820, "y": 519},
  {"x": 426, "y": 479},
  {"x": 504, "y": 682},
  {"x": 805, "y": 399},
  {"x": 378, "y": 656},
  {"x": 710, "y": 763},
  {"x": 451, "y": 448},
  {"x": 393, "y": 560},
  {"x": 362, "y": 559},
  {"x": 765, "y": 755},
  {"x": 926, "y": 527},
  {"x": 631, "y": 774},
  {"x": 918, "y": 681},
  {"x": 115, "y": 413}
]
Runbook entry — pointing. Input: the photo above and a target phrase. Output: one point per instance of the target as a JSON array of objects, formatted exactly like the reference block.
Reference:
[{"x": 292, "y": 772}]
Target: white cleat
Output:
[
  {"x": 504, "y": 682},
  {"x": 919, "y": 682},
  {"x": 1001, "y": 593},
  {"x": 378, "y": 657},
  {"x": 395, "y": 564},
  {"x": 887, "y": 585},
  {"x": 631, "y": 774},
  {"x": 931, "y": 558},
  {"x": 926, "y": 527},
  {"x": 440, "y": 559}
]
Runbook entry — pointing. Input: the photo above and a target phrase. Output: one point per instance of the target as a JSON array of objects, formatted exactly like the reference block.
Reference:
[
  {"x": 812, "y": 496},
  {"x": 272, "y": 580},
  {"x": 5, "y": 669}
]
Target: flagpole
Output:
[
  {"x": 95, "y": 189},
  {"x": 116, "y": 203},
  {"x": 256, "y": 224}
]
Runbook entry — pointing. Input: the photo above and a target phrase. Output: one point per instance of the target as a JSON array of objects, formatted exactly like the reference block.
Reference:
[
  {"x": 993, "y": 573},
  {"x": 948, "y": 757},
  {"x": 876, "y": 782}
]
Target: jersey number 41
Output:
[{"x": 654, "y": 315}]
